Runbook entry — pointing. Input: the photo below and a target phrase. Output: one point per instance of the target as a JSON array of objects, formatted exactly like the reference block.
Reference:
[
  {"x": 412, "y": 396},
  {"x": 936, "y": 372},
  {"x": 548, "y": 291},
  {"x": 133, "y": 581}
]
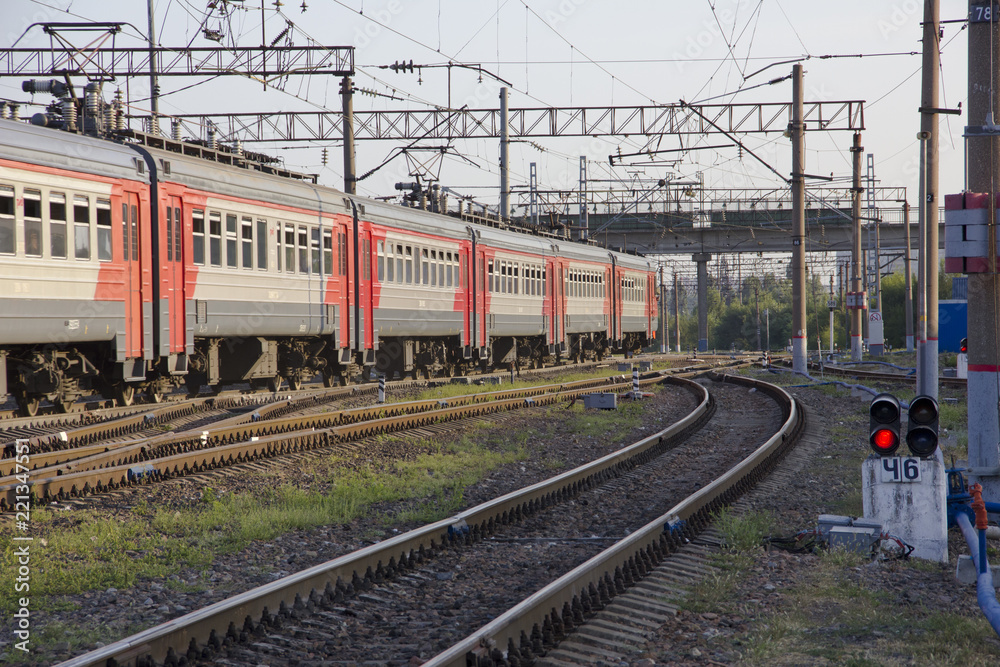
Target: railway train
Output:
[{"x": 140, "y": 264}]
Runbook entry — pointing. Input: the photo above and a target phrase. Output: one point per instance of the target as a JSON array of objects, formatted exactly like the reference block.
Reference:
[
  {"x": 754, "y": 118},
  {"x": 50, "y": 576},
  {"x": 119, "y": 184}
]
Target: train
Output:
[{"x": 133, "y": 264}]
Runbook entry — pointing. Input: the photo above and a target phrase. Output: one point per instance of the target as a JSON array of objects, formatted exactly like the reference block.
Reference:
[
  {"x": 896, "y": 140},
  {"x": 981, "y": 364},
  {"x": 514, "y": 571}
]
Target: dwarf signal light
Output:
[
  {"x": 884, "y": 424},
  {"x": 963, "y": 347},
  {"x": 922, "y": 430}
]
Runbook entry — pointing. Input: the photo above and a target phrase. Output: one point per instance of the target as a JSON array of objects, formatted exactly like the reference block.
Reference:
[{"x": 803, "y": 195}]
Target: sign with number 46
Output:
[{"x": 899, "y": 469}]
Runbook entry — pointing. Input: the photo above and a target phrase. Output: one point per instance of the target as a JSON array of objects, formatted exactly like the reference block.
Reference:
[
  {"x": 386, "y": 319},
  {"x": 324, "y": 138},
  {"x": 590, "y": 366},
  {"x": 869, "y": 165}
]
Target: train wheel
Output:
[
  {"x": 274, "y": 384},
  {"x": 124, "y": 394},
  {"x": 295, "y": 382},
  {"x": 192, "y": 384},
  {"x": 327, "y": 380},
  {"x": 64, "y": 405},
  {"x": 155, "y": 396},
  {"x": 29, "y": 405}
]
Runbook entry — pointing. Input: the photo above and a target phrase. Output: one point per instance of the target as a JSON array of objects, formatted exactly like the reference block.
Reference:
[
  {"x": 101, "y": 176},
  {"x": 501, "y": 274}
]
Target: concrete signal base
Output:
[{"x": 914, "y": 511}]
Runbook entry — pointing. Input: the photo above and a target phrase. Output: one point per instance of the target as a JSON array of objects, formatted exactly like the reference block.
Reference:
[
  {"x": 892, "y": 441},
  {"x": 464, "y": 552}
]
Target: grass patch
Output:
[
  {"x": 90, "y": 551},
  {"x": 833, "y": 615}
]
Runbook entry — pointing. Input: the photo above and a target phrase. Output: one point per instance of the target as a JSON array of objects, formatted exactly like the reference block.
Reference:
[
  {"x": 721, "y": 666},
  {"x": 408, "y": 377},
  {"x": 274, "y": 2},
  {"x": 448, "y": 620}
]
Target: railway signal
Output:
[
  {"x": 922, "y": 430},
  {"x": 963, "y": 347},
  {"x": 883, "y": 424}
]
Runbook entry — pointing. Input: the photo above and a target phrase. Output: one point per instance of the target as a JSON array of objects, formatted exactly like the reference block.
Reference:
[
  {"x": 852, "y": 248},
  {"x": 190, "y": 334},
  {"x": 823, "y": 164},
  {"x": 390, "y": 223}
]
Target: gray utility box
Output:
[
  {"x": 601, "y": 401},
  {"x": 851, "y": 538},
  {"x": 645, "y": 365},
  {"x": 624, "y": 368}
]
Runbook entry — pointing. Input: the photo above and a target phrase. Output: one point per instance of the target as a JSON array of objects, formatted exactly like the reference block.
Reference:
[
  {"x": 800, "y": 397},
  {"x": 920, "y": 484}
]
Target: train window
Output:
[
  {"x": 177, "y": 231},
  {"x": 277, "y": 242},
  {"x": 289, "y": 248},
  {"x": 134, "y": 237},
  {"x": 303, "y": 250},
  {"x": 104, "y": 230},
  {"x": 81, "y": 228},
  {"x": 314, "y": 247},
  {"x": 6, "y": 220},
  {"x": 490, "y": 271},
  {"x": 32, "y": 223},
  {"x": 262, "y": 245},
  {"x": 409, "y": 266},
  {"x": 449, "y": 269},
  {"x": 231, "y": 241},
  {"x": 125, "y": 230},
  {"x": 390, "y": 264},
  {"x": 170, "y": 234},
  {"x": 366, "y": 264},
  {"x": 433, "y": 267},
  {"x": 57, "y": 224},
  {"x": 342, "y": 253},
  {"x": 380, "y": 260},
  {"x": 246, "y": 241},
  {"x": 327, "y": 252},
  {"x": 399, "y": 263},
  {"x": 215, "y": 238},
  {"x": 441, "y": 269},
  {"x": 198, "y": 236},
  {"x": 424, "y": 268},
  {"x": 516, "y": 280}
]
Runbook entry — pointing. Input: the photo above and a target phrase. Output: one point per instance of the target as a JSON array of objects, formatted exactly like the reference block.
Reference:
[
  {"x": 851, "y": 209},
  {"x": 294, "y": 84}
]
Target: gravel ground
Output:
[
  {"x": 780, "y": 611},
  {"x": 732, "y": 633}
]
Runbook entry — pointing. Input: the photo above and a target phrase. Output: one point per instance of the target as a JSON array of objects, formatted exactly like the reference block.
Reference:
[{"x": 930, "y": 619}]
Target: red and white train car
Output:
[{"x": 128, "y": 266}]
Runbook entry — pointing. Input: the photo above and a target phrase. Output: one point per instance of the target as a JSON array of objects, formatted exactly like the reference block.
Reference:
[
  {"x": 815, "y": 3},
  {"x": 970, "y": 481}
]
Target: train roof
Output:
[
  {"x": 92, "y": 155},
  {"x": 64, "y": 150}
]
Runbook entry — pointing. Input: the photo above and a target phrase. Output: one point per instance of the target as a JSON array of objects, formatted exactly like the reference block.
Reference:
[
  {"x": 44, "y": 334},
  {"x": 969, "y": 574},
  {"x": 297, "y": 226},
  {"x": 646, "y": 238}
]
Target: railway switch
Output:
[{"x": 883, "y": 424}]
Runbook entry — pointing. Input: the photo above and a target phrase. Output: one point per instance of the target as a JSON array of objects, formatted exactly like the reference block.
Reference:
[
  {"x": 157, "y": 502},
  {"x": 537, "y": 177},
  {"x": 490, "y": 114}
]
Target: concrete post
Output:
[
  {"x": 929, "y": 123},
  {"x": 857, "y": 313},
  {"x": 504, "y": 159},
  {"x": 908, "y": 296},
  {"x": 350, "y": 170},
  {"x": 984, "y": 289},
  {"x": 701, "y": 259},
  {"x": 677, "y": 315},
  {"x": 797, "y": 129}
]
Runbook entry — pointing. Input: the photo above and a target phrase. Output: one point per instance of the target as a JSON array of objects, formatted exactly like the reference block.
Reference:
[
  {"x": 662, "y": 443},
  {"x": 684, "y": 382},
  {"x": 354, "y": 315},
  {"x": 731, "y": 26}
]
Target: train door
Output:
[
  {"x": 650, "y": 310},
  {"x": 482, "y": 316},
  {"x": 559, "y": 306},
  {"x": 173, "y": 283},
  {"x": 345, "y": 333},
  {"x": 367, "y": 311},
  {"x": 133, "y": 277}
]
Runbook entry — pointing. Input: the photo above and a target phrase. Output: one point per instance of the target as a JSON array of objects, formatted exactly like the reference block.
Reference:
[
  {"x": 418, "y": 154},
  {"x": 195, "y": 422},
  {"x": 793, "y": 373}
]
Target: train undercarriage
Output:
[{"x": 62, "y": 374}]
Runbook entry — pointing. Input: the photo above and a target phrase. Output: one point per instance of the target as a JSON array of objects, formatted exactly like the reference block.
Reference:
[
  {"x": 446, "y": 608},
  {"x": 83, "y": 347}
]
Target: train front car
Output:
[{"x": 73, "y": 318}]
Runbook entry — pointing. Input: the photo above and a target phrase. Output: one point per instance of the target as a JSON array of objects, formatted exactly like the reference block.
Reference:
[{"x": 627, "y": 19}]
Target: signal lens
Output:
[{"x": 885, "y": 440}]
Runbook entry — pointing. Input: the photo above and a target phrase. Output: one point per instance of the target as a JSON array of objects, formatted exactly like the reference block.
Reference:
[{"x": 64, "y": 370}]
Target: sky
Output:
[{"x": 563, "y": 53}]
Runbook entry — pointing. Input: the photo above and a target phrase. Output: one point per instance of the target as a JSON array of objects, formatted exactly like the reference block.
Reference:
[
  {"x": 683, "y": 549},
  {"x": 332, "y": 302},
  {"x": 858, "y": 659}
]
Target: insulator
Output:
[
  {"x": 175, "y": 129},
  {"x": 154, "y": 124},
  {"x": 3, "y": 110},
  {"x": 239, "y": 148},
  {"x": 69, "y": 113},
  {"x": 109, "y": 117},
  {"x": 15, "y": 112},
  {"x": 92, "y": 99},
  {"x": 213, "y": 143}
]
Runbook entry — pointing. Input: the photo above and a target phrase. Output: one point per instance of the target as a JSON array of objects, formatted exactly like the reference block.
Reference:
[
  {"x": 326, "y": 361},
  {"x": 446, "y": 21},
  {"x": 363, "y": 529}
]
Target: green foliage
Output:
[{"x": 732, "y": 311}]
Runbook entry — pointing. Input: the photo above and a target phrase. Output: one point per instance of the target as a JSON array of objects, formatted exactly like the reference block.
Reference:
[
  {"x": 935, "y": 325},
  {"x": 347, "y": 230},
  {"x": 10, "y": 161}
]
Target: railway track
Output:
[
  {"x": 85, "y": 460},
  {"x": 324, "y": 612}
]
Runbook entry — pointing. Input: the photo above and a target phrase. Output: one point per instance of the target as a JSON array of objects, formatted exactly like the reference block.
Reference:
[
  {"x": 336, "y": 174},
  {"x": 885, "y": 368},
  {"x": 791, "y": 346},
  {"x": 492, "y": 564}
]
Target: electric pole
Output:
[
  {"x": 856, "y": 301},
  {"x": 927, "y": 363},
  {"x": 797, "y": 130},
  {"x": 984, "y": 289}
]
